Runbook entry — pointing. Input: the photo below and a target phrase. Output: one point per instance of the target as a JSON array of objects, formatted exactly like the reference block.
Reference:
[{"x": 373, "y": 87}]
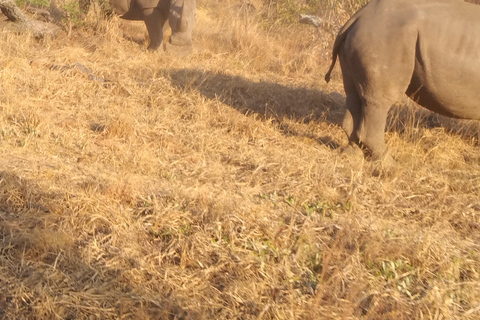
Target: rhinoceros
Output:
[
  {"x": 428, "y": 49},
  {"x": 179, "y": 13}
]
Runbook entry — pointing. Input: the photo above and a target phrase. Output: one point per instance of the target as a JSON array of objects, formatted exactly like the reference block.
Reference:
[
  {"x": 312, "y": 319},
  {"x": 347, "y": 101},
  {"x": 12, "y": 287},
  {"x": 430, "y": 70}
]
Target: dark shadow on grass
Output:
[
  {"x": 272, "y": 100},
  {"x": 40, "y": 263},
  {"x": 269, "y": 100}
]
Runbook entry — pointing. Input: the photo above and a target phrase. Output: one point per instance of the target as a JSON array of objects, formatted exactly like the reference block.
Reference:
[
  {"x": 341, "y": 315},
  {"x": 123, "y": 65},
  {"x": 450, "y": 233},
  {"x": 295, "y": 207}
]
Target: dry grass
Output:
[{"x": 211, "y": 186}]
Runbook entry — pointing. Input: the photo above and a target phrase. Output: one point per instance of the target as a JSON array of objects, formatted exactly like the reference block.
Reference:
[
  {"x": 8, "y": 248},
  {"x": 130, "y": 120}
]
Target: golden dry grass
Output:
[{"x": 212, "y": 187}]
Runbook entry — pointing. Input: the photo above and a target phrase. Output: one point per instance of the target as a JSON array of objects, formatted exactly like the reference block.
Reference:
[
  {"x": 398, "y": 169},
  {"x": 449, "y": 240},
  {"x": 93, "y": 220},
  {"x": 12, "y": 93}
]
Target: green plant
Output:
[
  {"x": 287, "y": 11},
  {"x": 36, "y": 3},
  {"x": 72, "y": 12}
]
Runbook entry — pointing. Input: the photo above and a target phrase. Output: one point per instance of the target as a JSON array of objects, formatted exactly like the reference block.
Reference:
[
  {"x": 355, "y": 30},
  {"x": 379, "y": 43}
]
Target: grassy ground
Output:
[{"x": 212, "y": 186}]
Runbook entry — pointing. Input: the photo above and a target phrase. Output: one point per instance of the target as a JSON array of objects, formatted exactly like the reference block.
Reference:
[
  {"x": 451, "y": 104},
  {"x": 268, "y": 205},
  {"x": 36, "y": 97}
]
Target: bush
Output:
[
  {"x": 287, "y": 11},
  {"x": 36, "y": 3}
]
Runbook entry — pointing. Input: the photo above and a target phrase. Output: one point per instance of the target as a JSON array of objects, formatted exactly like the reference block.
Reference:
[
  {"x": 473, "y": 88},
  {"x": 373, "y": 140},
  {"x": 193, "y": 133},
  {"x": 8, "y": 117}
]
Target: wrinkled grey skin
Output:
[
  {"x": 428, "y": 49},
  {"x": 179, "y": 13}
]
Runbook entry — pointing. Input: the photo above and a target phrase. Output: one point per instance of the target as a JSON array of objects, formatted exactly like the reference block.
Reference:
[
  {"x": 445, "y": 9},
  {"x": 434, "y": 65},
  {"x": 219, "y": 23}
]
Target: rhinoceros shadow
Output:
[
  {"x": 276, "y": 101},
  {"x": 266, "y": 99}
]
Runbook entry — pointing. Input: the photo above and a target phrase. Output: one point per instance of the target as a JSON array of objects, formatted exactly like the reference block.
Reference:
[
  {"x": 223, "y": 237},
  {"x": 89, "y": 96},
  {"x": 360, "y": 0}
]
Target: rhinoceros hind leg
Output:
[
  {"x": 380, "y": 92},
  {"x": 371, "y": 131},
  {"x": 353, "y": 112},
  {"x": 370, "y": 95},
  {"x": 182, "y": 20},
  {"x": 154, "y": 20}
]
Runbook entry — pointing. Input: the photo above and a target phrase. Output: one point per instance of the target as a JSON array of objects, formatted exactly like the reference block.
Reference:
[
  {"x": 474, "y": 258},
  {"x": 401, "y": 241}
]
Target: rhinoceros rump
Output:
[
  {"x": 179, "y": 13},
  {"x": 428, "y": 49}
]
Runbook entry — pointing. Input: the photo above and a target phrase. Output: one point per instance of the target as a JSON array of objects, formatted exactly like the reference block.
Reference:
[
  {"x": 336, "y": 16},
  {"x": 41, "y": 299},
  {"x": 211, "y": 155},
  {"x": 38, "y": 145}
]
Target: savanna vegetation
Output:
[{"x": 144, "y": 185}]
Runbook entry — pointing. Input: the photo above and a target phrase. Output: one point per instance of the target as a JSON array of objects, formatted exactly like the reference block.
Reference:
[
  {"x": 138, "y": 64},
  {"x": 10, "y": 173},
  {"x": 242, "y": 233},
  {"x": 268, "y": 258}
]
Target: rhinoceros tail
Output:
[
  {"x": 339, "y": 40},
  {"x": 328, "y": 74}
]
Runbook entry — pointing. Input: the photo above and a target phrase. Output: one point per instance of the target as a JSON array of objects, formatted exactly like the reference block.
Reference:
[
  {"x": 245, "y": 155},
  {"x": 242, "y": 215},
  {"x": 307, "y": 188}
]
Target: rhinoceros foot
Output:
[
  {"x": 385, "y": 167},
  {"x": 180, "y": 51},
  {"x": 181, "y": 39},
  {"x": 352, "y": 150}
]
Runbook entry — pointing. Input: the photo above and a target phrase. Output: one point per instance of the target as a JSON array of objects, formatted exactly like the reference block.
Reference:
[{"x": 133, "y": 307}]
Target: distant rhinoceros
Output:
[
  {"x": 428, "y": 49},
  {"x": 179, "y": 13}
]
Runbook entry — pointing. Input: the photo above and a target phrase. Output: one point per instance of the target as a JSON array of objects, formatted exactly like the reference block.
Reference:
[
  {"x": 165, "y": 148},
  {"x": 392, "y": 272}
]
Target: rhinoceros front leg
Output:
[
  {"x": 182, "y": 20},
  {"x": 154, "y": 20}
]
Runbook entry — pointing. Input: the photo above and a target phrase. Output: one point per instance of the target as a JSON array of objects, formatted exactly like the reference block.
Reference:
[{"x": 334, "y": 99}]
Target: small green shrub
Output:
[
  {"x": 287, "y": 12},
  {"x": 73, "y": 12},
  {"x": 36, "y": 3}
]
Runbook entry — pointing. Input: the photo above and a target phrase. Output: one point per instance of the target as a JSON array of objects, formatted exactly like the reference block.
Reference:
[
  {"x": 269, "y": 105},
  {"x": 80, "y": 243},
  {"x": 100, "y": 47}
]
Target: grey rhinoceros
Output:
[
  {"x": 428, "y": 49},
  {"x": 179, "y": 13}
]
